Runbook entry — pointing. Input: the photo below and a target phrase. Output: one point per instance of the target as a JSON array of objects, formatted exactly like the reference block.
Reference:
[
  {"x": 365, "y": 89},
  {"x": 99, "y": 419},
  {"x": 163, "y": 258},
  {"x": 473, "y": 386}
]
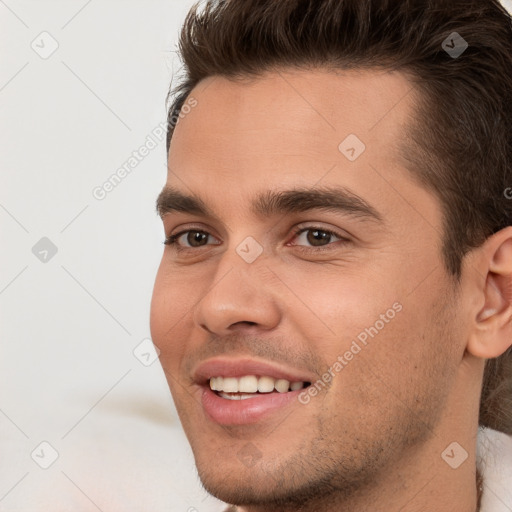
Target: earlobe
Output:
[{"x": 492, "y": 333}]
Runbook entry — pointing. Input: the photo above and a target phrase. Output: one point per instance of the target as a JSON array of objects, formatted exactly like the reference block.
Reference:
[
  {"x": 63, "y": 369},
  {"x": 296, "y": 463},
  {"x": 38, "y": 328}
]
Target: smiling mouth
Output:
[{"x": 251, "y": 386}]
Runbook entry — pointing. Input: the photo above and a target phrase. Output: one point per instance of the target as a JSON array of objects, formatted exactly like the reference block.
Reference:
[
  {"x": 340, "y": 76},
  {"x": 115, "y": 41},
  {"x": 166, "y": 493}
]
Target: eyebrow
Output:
[{"x": 269, "y": 203}]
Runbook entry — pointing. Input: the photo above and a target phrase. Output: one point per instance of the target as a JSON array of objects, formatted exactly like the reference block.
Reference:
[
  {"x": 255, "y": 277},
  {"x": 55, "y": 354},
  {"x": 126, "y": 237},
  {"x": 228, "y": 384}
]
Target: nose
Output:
[{"x": 239, "y": 297}]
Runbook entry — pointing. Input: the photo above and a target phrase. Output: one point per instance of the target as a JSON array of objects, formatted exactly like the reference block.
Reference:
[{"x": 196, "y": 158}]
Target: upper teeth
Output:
[{"x": 252, "y": 384}]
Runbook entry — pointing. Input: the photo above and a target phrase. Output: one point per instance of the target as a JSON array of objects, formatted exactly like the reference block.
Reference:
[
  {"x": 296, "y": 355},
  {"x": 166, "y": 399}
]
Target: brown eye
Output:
[
  {"x": 315, "y": 237},
  {"x": 191, "y": 238},
  {"x": 196, "y": 238}
]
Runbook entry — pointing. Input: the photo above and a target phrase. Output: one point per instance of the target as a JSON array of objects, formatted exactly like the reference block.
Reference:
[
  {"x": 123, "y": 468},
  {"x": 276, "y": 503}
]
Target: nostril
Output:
[
  {"x": 203, "y": 326},
  {"x": 244, "y": 323}
]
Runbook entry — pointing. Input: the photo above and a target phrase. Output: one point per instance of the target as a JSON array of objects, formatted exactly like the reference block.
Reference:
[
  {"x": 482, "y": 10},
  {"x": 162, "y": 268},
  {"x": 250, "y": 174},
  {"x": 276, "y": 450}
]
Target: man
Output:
[{"x": 334, "y": 302}]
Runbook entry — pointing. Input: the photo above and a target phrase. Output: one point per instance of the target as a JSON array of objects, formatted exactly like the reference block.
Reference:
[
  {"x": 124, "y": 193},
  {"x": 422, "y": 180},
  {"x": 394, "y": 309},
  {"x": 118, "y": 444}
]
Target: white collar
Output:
[{"x": 494, "y": 460}]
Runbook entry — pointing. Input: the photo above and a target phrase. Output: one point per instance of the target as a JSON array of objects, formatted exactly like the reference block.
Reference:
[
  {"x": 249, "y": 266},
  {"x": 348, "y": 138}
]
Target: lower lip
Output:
[{"x": 242, "y": 412}]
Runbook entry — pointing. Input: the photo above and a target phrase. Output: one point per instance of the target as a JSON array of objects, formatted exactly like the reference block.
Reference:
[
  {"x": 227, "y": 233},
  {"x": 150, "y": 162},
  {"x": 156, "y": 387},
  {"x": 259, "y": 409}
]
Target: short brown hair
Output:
[{"x": 460, "y": 148}]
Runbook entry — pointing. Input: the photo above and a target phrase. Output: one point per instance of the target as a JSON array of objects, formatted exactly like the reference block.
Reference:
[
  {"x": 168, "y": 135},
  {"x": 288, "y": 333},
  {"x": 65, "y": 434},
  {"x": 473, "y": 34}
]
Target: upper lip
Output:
[{"x": 238, "y": 367}]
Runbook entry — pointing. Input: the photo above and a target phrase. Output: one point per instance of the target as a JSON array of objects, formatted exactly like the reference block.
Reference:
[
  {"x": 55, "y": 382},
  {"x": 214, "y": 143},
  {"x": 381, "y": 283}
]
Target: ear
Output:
[{"x": 492, "y": 332}]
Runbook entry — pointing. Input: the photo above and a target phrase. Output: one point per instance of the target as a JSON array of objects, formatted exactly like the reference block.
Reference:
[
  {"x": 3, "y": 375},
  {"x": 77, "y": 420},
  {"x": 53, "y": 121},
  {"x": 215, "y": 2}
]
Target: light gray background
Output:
[
  {"x": 69, "y": 325},
  {"x": 68, "y": 375}
]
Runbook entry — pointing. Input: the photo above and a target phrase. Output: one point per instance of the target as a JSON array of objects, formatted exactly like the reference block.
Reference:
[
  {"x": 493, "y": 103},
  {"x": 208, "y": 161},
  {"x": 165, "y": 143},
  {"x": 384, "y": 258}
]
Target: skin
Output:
[{"x": 376, "y": 433}]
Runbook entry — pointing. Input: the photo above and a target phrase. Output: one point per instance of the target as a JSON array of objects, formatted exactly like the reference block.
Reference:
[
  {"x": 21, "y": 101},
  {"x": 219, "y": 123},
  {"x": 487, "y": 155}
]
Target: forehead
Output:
[
  {"x": 294, "y": 128},
  {"x": 316, "y": 105}
]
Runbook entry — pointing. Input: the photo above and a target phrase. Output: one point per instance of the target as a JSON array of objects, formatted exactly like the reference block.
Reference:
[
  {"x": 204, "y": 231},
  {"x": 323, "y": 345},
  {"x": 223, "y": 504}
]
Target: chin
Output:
[{"x": 246, "y": 487}]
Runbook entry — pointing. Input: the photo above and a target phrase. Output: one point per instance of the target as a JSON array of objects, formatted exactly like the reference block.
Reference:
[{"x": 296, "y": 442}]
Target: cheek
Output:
[
  {"x": 397, "y": 370},
  {"x": 335, "y": 305},
  {"x": 170, "y": 318},
  {"x": 373, "y": 326}
]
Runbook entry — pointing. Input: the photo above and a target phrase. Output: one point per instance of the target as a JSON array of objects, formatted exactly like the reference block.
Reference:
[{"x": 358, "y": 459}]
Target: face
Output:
[{"x": 304, "y": 283}]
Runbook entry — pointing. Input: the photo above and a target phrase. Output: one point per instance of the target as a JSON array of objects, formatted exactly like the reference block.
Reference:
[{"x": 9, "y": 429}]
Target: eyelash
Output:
[{"x": 171, "y": 240}]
